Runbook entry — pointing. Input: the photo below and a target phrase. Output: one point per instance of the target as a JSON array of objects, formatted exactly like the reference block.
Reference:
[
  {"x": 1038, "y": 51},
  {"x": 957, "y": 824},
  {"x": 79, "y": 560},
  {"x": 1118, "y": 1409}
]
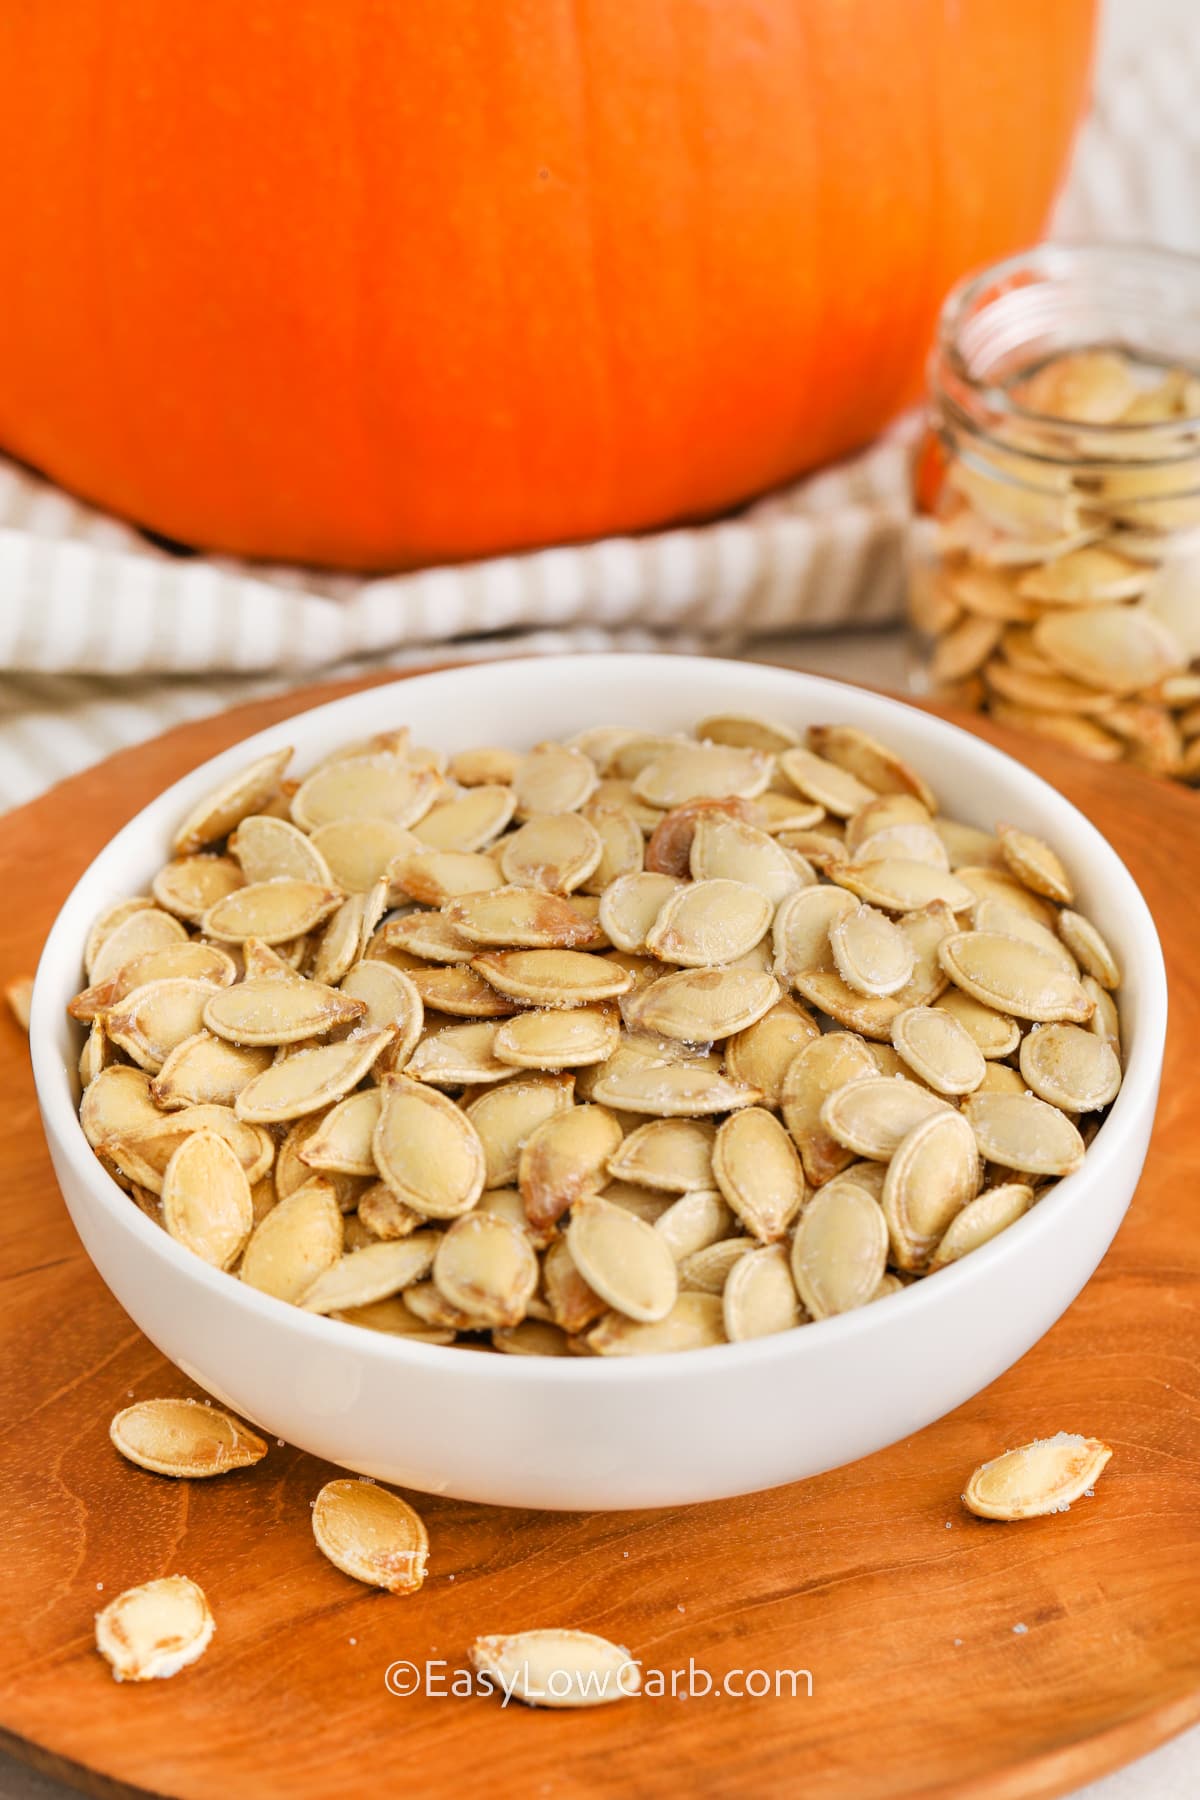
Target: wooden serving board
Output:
[{"x": 903, "y": 1607}]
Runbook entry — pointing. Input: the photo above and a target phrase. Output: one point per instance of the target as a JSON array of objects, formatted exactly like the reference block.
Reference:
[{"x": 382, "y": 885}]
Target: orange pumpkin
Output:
[{"x": 376, "y": 285}]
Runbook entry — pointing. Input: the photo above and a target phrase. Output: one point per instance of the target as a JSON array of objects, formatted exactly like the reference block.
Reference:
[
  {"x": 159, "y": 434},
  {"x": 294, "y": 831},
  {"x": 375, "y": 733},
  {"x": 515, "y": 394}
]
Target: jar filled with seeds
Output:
[{"x": 1055, "y": 562}]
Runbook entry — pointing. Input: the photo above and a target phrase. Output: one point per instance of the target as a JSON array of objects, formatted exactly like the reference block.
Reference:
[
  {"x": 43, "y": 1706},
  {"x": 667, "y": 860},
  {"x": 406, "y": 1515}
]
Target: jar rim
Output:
[{"x": 989, "y": 406}]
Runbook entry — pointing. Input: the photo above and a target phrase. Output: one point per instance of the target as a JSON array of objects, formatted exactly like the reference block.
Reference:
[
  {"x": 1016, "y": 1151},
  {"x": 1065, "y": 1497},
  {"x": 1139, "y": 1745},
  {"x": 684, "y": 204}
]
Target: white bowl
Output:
[{"x": 645, "y": 1431}]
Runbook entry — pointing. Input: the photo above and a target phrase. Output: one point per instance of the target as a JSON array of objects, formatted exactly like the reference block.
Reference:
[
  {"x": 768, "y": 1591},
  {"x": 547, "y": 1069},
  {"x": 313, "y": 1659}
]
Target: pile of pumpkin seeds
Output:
[
  {"x": 1059, "y": 583},
  {"x": 632, "y": 1043}
]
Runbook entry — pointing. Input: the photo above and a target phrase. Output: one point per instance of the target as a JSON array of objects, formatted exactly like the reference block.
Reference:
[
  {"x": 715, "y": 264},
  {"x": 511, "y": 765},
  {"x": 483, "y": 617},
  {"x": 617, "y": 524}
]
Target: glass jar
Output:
[{"x": 1054, "y": 573}]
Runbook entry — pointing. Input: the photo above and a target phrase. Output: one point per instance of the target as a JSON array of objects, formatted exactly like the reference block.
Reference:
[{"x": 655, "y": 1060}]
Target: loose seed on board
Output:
[
  {"x": 151, "y": 1632},
  {"x": 185, "y": 1438},
  {"x": 1046, "y": 1476},
  {"x": 557, "y": 1668},
  {"x": 372, "y": 1534}
]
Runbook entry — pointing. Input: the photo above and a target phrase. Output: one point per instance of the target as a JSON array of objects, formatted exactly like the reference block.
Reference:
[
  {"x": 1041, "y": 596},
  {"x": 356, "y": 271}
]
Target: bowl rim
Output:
[{"x": 53, "y": 1076}]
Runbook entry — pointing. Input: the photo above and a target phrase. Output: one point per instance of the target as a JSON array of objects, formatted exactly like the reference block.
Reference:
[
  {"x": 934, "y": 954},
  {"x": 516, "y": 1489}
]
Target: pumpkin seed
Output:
[
  {"x": 206, "y": 1199},
  {"x": 990, "y": 596},
  {"x": 145, "y": 1153},
  {"x": 522, "y": 918},
  {"x": 966, "y": 844},
  {"x": 458, "y": 1056},
  {"x": 673, "y": 1156},
  {"x": 429, "y": 935},
  {"x": 873, "y": 1116},
  {"x": 1013, "y": 976},
  {"x": 700, "y": 1006},
  {"x": 631, "y": 906},
  {"x": 869, "y": 761},
  {"x": 359, "y": 852},
  {"x": 310, "y": 1079},
  {"x": 270, "y": 849},
  {"x": 708, "y": 922},
  {"x": 623, "y": 1260},
  {"x": 933, "y": 1173},
  {"x": 341, "y": 941},
  {"x": 374, "y": 1273},
  {"x": 486, "y": 1267},
  {"x": 1046, "y": 1476},
  {"x": 552, "y": 977},
  {"x": 278, "y": 1011},
  {"x": 386, "y": 1217},
  {"x": 176, "y": 961},
  {"x": 1084, "y": 577},
  {"x": 341, "y": 1143},
  {"x": 373, "y": 786},
  {"x": 372, "y": 1534},
  {"x": 836, "y": 789},
  {"x": 155, "y": 1019},
  {"x": 151, "y": 1632},
  {"x": 686, "y": 772},
  {"x": 139, "y": 931},
  {"x": 1046, "y": 690},
  {"x": 692, "y": 1222},
  {"x": 1094, "y": 387},
  {"x": 435, "y": 877},
  {"x": 1105, "y": 1021},
  {"x": 669, "y": 849},
  {"x": 981, "y": 1220},
  {"x": 695, "y": 1322},
  {"x": 939, "y": 1049},
  {"x": 706, "y": 1271},
  {"x": 186, "y": 1438},
  {"x": 392, "y": 1004},
  {"x": 573, "y": 1304},
  {"x": 396, "y": 1319},
  {"x": 505, "y": 1117},
  {"x": 790, "y": 812},
  {"x": 994, "y": 915},
  {"x": 725, "y": 848},
  {"x": 745, "y": 731},
  {"x": 801, "y": 932},
  {"x": 565, "y": 1158},
  {"x": 1118, "y": 649},
  {"x": 1070, "y": 1067},
  {"x": 490, "y": 765},
  {"x": 840, "y": 1249},
  {"x": 870, "y": 953},
  {"x": 898, "y": 884},
  {"x": 622, "y": 846},
  {"x": 205, "y": 1070},
  {"x": 817, "y": 1071},
  {"x": 469, "y": 821},
  {"x": 761, "y": 1055},
  {"x": 557, "y": 1668},
  {"x": 106, "y": 923},
  {"x": 911, "y": 843},
  {"x": 600, "y": 743},
  {"x": 1035, "y": 864},
  {"x": 759, "y": 1296},
  {"x": 532, "y": 1337},
  {"x": 557, "y": 1040},
  {"x": 996, "y": 1034},
  {"x": 1089, "y": 948},
  {"x": 189, "y": 885},
  {"x": 1083, "y": 736},
  {"x": 1023, "y": 1133},
  {"x": 461, "y": 992},
  {"x": 965, "y": 648},
  {"x": 759, "y": 1172},
  {"x": 214, "y": 817},
  {"x": 551, "y": 851},
  {"x": 299, "y": 1240},
  {"x": 428, "y": 1151},
  {"x": 553, "y": 779},
  {"x": 273, "y": 911},
  {"x": 1000, "y": 1078}
]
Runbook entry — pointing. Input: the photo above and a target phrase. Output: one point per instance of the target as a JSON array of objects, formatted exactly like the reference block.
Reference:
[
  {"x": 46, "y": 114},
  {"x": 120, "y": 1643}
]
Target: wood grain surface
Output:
[{"x": 904, "y": 1608}]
